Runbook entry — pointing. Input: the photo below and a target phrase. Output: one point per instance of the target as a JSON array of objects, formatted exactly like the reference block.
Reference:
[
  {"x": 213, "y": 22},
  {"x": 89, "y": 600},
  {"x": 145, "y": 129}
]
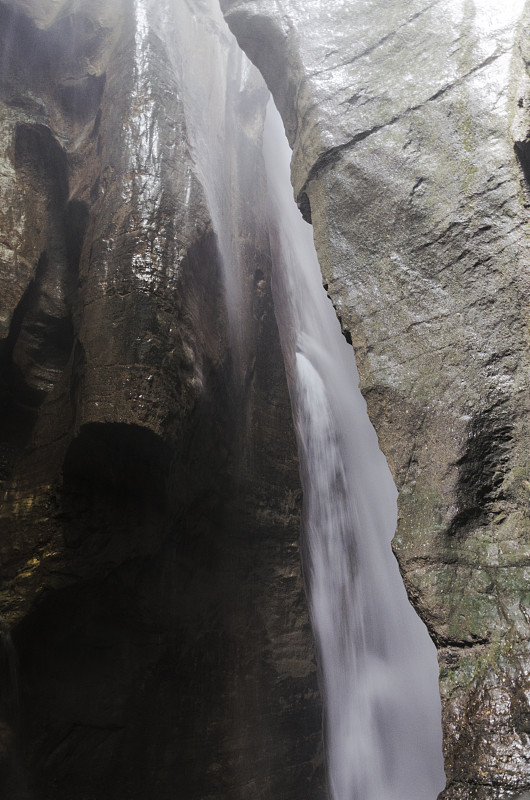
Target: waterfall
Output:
[
  {"x": 214, "y": 75},
  {"x": 378, "y": 665}
]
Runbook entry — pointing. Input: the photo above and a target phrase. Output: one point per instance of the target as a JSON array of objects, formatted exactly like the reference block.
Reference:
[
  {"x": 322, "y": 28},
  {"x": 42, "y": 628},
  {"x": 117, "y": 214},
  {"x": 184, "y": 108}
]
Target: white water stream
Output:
[{"x": 378, "y": 664}]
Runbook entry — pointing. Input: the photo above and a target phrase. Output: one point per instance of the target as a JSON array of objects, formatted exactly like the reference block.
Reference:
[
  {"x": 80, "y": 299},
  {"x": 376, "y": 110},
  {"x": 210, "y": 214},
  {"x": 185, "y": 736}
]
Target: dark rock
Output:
[{"x": 150, "y": 512}]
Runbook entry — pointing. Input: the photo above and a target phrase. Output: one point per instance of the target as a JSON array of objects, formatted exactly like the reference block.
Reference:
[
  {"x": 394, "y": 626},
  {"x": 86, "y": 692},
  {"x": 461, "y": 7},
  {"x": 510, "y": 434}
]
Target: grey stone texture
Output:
[{"x": 409, "y": 124}]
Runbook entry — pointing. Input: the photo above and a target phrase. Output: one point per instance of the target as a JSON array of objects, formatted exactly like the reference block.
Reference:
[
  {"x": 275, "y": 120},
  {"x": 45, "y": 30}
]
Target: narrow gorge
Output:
[{"x": 160, "y": 599}]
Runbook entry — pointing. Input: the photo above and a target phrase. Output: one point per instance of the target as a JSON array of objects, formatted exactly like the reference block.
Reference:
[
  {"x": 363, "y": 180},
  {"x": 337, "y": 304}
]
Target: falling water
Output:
[
  {"x": 379, "y": 670},
  {"x": 378, "y": 665},
  {"x": 215, "y": 75}
]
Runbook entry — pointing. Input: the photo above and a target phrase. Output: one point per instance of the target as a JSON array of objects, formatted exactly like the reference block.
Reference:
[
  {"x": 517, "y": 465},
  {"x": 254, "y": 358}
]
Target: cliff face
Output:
[
  {"x": 409, "y": 123},
  {"x": 155, "y": 633},
  {"x": 155, "y": 636}
]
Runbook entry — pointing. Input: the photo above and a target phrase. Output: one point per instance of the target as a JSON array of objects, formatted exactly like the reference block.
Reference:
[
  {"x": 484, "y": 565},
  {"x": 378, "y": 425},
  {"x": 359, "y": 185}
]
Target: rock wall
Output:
[
  {"x": 154, "y": 628},
  {"x": 409, "y": 125},
  {"x": 155, "y": 635}
]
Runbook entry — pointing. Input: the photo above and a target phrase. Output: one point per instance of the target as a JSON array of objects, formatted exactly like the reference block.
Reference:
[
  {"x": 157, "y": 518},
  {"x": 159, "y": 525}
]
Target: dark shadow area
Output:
[
  {"x": 39, "y": 345},
  {"x": 19, "y": 403},
  {"x": 43, "y": 161},
  {"x": 150, "y": 665},
  {"x": 481, "y": 469},
  {"x": 45, "y": 333},
  {"x": 121, "y": 693},
  {"x": 80, "y": 97},
  {"x": 305, "y": 207},
  {"x": 120, "y": 460},
  {"x": 522, "y": 151},
  {"x": 13, "y": 785},
  {"x": 77, "y": 215},
  {"x": 36, "y": 57}
]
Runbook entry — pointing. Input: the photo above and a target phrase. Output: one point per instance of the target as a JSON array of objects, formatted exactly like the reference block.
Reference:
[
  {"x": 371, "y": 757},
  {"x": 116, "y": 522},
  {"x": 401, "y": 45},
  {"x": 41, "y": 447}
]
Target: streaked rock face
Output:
[
  {"x": 409, "y": 123},
  {"x": 151, "y": 586}
]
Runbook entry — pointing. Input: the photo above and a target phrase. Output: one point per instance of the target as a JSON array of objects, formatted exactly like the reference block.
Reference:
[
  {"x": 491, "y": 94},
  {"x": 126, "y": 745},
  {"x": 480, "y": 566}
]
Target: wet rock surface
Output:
[
  {"x": 409, "y": 126},
  {"x": 158, "y": 634}
]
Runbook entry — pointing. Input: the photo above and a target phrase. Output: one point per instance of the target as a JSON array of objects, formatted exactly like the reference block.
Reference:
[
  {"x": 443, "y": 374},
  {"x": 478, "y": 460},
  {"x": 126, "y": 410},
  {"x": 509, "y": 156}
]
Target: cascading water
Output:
[
  {"x": 214, "y": 73},
  {"x": 378, "y": 665}
]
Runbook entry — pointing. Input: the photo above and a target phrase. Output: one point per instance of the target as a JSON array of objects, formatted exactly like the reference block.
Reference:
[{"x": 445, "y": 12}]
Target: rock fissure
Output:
[
  {"x": 333, "y": 154},
  {"x": 380, "y": 42}
]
